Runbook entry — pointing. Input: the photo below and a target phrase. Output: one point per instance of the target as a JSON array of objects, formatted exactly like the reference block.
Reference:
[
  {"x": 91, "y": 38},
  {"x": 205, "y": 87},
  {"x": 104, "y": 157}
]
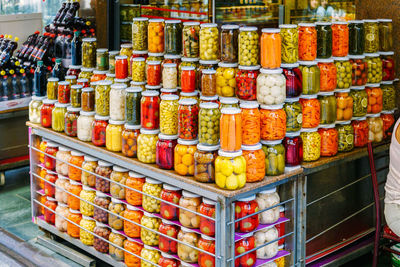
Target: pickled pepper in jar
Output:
[
  {"x": 139, "y": 33},
  {"x": 385, "y": 35},
  {"x": 328, "y": 73},
  {"x": 311, "y": 144},
  {"x": 311, "y": 109},
  {"x": 360, "y": 126},
  {"x": 188, "y": 116},
  {"x": 388, "y": 65},
  {"x": 329, "y": 140},
  {"x": 290, "y": 43},
  {"x": 273, "y": 122},
  {"x": 149, "y": 110},
  {"x": 246, "y": 82},
  {"x": 251, "y": 121}
]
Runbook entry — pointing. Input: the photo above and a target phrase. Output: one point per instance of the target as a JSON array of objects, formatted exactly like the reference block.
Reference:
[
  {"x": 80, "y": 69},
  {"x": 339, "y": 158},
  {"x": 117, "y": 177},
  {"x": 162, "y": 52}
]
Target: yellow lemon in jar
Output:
[
  {"x": 181, "y": 150},
  {"x": 187, "y": 159},
  {"x": 218, "y": 164},
  {"x": 181, "y": 169},
  {"x": 232, "y": 182},
  {"x": 232, "y": 83},
  {"x": 221, "y": 81},
  {"x": 238, "y": 166},
  {"x": 241, "y": 180},
  {"x": 220, "y": 180},
  {"x": 219, "y": 90},
  {"x": 219, "y": 72},
  {"x": 226, "y": 167},
  {"x": 227, "y": 91},
  {"x": 229, "y": 74}
]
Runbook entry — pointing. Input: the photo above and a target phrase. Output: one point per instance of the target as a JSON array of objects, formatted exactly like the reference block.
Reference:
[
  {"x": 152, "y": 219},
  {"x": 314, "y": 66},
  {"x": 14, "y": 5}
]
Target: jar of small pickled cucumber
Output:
[
  {"x": 229, "y": 43},
  {"x": 89, "y": 46},
  {"x": 248, "y": 46},
  {"x": 290, "y": 43},
  {"x": 274, "y": 157},
  {"x": 209, "y": 35},
  {"x": 102, "y": 59},
  {"x": 76, "y": 92},
  {"x": 34, "y": 108},
  {"x": 71, "y": 121},
  {"x": 311, "y": 144},
  {"x": 327, "y": 102},
  {"x": 329, "y": 140},
  {"x": 190, "y": 39},
  {"x": 209, "y": 117},
  {"x": 385, "y": 34},
  {"x": 146, "y": 145},
  {"x": 324, "y": 39},
  {"x": 374, "y": 68},
  {"x": 230, "y": 170},
  {"x": 343, "y": 72},
  {"x": 371, "y": 36},
  {"x": 139, "y": 33},
  {"x": 294, "y": 115},
  {"x": 360, "y": 101},
  {"x": 111, "y": 60},
  {"x": 102, "y": 96},
  {"x": 388, "y": 95},
  {"x": 375, "y": 126},
  {"x": 346, "y": 136},
  {"x": 356, "y": 37},
  {"x": 52, "y": 86},
  {"x": 84, "y": 126},
  {"x": 57, "y": 117},
  {"x": 204, "y": 159},
  {"x": 311, "y": 77}
]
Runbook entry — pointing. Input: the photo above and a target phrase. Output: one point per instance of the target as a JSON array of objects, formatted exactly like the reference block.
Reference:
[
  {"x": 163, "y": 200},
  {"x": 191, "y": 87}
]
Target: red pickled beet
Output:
[
  {"x": 166, "y": 244},
  {"x": 293, "y": 150},
  {"x": 207, "y": 226},
  {"x": 165, "y": 151},
  {"x": 149, "y": 110},
  {"x": 246, "y": 83},
  {"x": 242, "y": 246},
  {"x": 99, "y": 132},
  {"x": 188, "y": 119},
  {"x": 243, "y": 207},
  {"x": 359, "y": 73},
  {"x": 294, "y": 81},
  {"x": 171, "y": 194}
]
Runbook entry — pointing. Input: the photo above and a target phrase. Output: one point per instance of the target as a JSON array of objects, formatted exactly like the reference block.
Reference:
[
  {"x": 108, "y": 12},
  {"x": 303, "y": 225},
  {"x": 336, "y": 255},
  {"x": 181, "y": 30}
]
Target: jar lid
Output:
[
  {"x": 189, "y": 59},
  {"x": 249, "y": 104},
  {"x": 152, "y": 181},
  {"x": 138, "y": 52},
  {"x": 373, "y": 115},
  {"x": 290, "y": 65},
  {"x": 166, "y": 255},
  {"x": 360, "y": 118},
  {"x": 195, "y": 93},
  {"x": 208, "y": 25},
  {"x": 209, "y": 105},
  {"x": 249, "y": 198},
  {"x": 70, "y": 77},
  {"x": 388, "y": 53},
  {"x": 51, "y": 144},
  {"x": 268, "y": 191},
  {"x": 152, "y": 87},
  {"x": 251, "y": 147},
  {"x": 101, "y": 118},
  {"x": 191, "y": 23},
  {"x": 342, "y": 91},
  {"x": 167, "y": 136},
  {"x": 131, "y": 126},
  {"x": 63, "y": 82},
  {"x": 114, "y": 122},
  {"x": 53, "y": 79},
  {"x": 308, "y": 96},
  {"x": 169, "y": 56},
  {"x": 230, "y": 111},
  {"x": 156, "y": 54},
  {"x": 104, "y": 82},
  {"x": 188, "y": 142},
  {"x": 170, "y": 187},
  {"x": 209, "y": 98},
  {"x": 146, "y": 131},
  {"x": 167, "y": 90},
  {"x": 270, "y": 30},
  {"x": 308, "y": 130},
  {"x": 169, "y": 97},
  {"x": 148, "y": 214},
  {"x": 73, "y": 109},
  {"x": 38, "y": 98},
  {"x": 308, "y": 63},
  {"x": 89, "y": 39},
  {"x": 99, "y": 72},
  {"x": 90, "y": 158},
  {"x": 104, "y": 164},
  {"x": 340, "y": 58},
  {"x": 187, "y": 101},
  {"x": 83, "y": 80},
  {"x": 273, "y": 71},
  {"x": 87, "y": 69},
  {"x": 229, "y": 27},
  {"x": 188, "y": 68},
  {"x": 356, "y": 88},
  {"x": 121, "y": 80},
  {"x": 292, "y": 100},
  {"x": 99, "y": 224},
  {"x": 356, "y": 56},
  {"x": 63, "y": 148},
  {"x": 74, "y": 182},
  {"x": 60, "y": 204},
  {"x": 119, "y": 169},
  {"x": 326, "y": 93},
  {"x": 156, "y": 20},
  {"x": 227, "y": 65},
  {"x": 74, "y": 211},
  {"x": 288, "y": 26},
  {"x": 343, "y": 122},
  {"x": 134, "y": 89},
  {"x": 273, "y": 107},
  {"x": 271, "y": 142},
  {"x": 370, "y": 20},
  {"x": 209, "y": 201},
  {"x": 388, "y": 111},
  {"x": 140, "y": 19},
  {"x": 126, "y": 45},
  {"x": 143, "y": 59},
  {"x": 135, "y": 175},
  {"x": 87, "y": 188},
  {"x": 131, "y": 207},
  {"x": 356, "y": 21},
  {"x": 385, "y": 20},
  {"x": 208, "y": 62},
  {"x": 101, "y": 194},
  {"x": 327, "y": 126},
  {"x": 77, "y": 86},
  {"x": 324, "y": 60},
  {"x": 229, "y": 154},
  {"x": 228, "y": 100},
  {"x": 386, "y": 82},
  {"x": 207, "y": 147},
  {"x": 255, "y": 67},
  {"x": 208, "y": 71},
  {"x": 323, "y": 23},
  {"x": 118, "y": 86},
  {"x": 292, "y": 134},
  {"x": 306, "y": 25},
  {"x": 373, "y": 85},
  {"x": 150, "y": 93},
  {"x": 340, "y": 22},
  {"x": 247, "y": 29},
  {"x": 120, "y": 57},
  {"x": 101, "y": 50},
  {"x": 87, "y": 113},
  {"x": 49, "y": 101},
  {"x": 170, "y": 65},
  {"x": 116, "y": 200},
  {"x": 61, "y": 105},
  {"x": 371, "y": 54},
  {"x": 76, "y": 153}
]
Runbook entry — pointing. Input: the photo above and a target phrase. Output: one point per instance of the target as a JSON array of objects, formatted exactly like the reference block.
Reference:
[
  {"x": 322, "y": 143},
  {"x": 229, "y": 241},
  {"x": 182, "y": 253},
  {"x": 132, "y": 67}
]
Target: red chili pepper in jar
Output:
[
  {"x": 247, "y": 243},
  {"x": 207, "y": 226},
  {"x": 167, "y": 260},
  {"x": 359, "y": 70},
  {"x": 246, "y": 82},
  {"x": 171, "y": 194},
  {"x": 99, "y": 130},
  {"x": 64, "y": 92},
  {"x": 243, "y": 207},
  {"x": 49, "y": 162},
  {"x": 188, "y": 119},
  {"x": 153, "y": 73},
  {"x": 188, "y": 79},
  {"x": 165, "y": 244},
  {"x": 150, "y": 110}
]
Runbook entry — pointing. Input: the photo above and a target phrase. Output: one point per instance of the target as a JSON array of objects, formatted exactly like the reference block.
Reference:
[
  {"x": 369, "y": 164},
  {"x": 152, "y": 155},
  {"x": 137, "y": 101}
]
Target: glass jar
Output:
[
  {"x": 86, "y": 73},
  {"x": 49, "y": 216},
  {"x": 88, "y": 99},
  {"x": 169, "y": 76},
  {"x": 188, "y": 62},
  {"x": 153, "y": 73},
  {"x": 209, "y": 85},
  {"x": 89, "y": 46},
  {"x": 154, "y": 57},
  {"x": 85, "y": 233},
  {"x": 327, "y": 102},
  {"x": 51, "y": 150},
  {"x": 360, "y": 126},
  {"x": 359, "y": 70},
  {"x": 121, "y": 67},
  {"x": 184, "y": 157},
  {"x": 360, "y": 101},
  {"x": 192, "y": 202},
  {"x": 375, "y": 99},
  {"x": 311, "y": 77},
  {"x": 99, "y": 126},
  {"x": 246, "y": 82},
  {"x": 307, "y": 41},
  {"x": 188, "y": 79},
  {"x": 75, "y": 160},
  {"x": 204, "y": 158},
  {"x": 344, "y": 102},
  {"x": 169, "y": 114},
  {"x": 207, "y": 208},
  {"x": 242, "y": 246},
  {"x": 134, "y": 214},
  {"x": 385, "y": 35},
  {"x": 375, "y": 127},
  {"x": 74, "y": 190},
  {"x": 116, "y": 207},
  {"x": 76, "y": 92},
  {"x": 61, "y": 212},
  {"x": 311, "y": 109},
  {"x": 170, "y": 194},
  {"x": 328, "y": 75},
  {"x": 42, "y": 173},
  {"x": 293, "y": 149},
  {"x": 126, "y": 50},
  {"x": 111, "y": 61},
  {"x": 34, "y": 108},
  {"x": 356, "y": 37},
  {"x": 165, "y": 151},
  {"x": 130, "y": 134},
  {"x": 244, "y": 207},
  {"x": 324, "y": 39},
  {"x": 173, "y": 37},
  {"x": 117, "y": 102},
  {"x": 230, "y": 170},
  {"x": 229, "y": 43},
  {"x": 148, "y": 220},
  {"x": 270, "y": 48},
  {"x": 132, "y": 105},
  {"x": 344, "y": 72},
  {"x": 170, "y": 58},
  {"x": 311, "y": 144},
  {"x": 75, "y": 216},
  {"x": 251, "y": 123},
  {"x": 61, "y": 192},
  {"x": 290, "y": 43},
  {"x": 188, "y": 117},
  {"x": 294, "y": 115},
  {"x": 271, "y": 87},
  {"x": 208, "y": 244},
  {"x": 151, "y": 187},
  {"x": 84, "y": 125},
  {"x": 113, "y": 135},
  {"x": 371, "y": 36},
  {"x": 134, "y": 181},
  {"x": 248, "y": 46},
  {"x": 388, "y": 66},
  {"x": 102, "y": 96},
  {"x": 98, "y": 75},
  {"x": 89, "y": 165},
  {"x": 167, "y": 245},
  {"x": 83, "y": 81},
  {"x": 42, "y": 148},
  {"x": 294, "y": 80},
  {"x": 118, "y": 175},
  {"x": 57, "y": 117},
  {"x": 329, "y": 140},
  {"x": 52, "y": 88},
  {"x": 139, "y": 33},
  {"x": 71, "y": 121},
  {"x": 167, "y": 260},
  {"x": 346, "y": 136},
  {"x": 150, "y": 254},
  {"x": 274, "y": 157},
  {"x": 146, "y": 145},
  {"x": 155, "y": 32},
  {"x": 388, "y": 95},
  {"x": 388, "y": 123},
  {"x": 209, "y": 35},
  {"x": 255, "y": 162},
  {"x": 103, "y": 170},
  {"x": 103, "y": 231},
  {"x": 138, "y": 69},
  {"x": 209, "y": 119},
  {"x": 340, "y": 38},
  {"x": 62, "y": 159},
  {"x": 374, "y": 68},
  {"x": 273, "y": 122},
  {"x": 116, "y": 239},
  {"x": 190, "y": 39},
  {"x": 205, "y": 65},
  {"x": 134, "y": 248},
  {"x": 187, "y": 253},
  {"x": 267, "y": 235},
  {"x": 49, "y": 188},
  {"x": 101, "y": 200},
  {"x": 87, "y": 194},
  {"x": 149, "y": 108},
  {"x": 231, "y": 126}
]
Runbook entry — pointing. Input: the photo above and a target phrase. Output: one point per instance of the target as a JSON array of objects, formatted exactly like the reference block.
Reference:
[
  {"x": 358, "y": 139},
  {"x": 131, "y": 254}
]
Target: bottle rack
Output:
[{"x": 225, "y": 235}]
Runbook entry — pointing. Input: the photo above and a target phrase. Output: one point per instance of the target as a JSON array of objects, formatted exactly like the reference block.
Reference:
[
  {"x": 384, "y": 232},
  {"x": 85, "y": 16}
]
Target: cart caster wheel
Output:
[{"x": 2, "y": 179}]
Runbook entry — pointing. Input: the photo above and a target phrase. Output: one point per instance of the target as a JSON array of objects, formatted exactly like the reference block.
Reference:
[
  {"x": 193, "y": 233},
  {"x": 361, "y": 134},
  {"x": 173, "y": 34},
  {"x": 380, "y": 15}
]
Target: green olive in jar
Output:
[
  {"x": 209, "y": 117},
  {"x": 248, "y": 46}
]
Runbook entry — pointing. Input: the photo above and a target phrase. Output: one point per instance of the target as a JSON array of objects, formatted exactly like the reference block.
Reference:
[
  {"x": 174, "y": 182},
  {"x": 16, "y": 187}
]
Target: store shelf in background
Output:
[
  {"x": 183, "y": 20},
  {"x": 174, "y": 10},
  {"x": 14, "y": 105},
  {"x": 239, "y": 236},
  {"x": 281, "y": 253}
]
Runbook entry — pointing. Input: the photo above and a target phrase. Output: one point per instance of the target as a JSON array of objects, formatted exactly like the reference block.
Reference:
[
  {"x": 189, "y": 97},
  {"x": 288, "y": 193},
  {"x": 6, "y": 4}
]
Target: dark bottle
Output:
[
  {"x": 24, "y": 84},
  {"x": 43, "y": 49},
  {"x": 6, "y": 88},
  {"x": 70, "y": 14},
  {"x": 66, "y": 51},
  {"x": 58, "y": 46},
  {"x": 76, "y": 49},
  {"x": 57, "y": 71},
  {"x": 62, "y": 14},
  {"x": 7, "y": 53},
  {"x": 32, "y": 47},
  {"x": 32, "y": 56},
  {"x": 25, "y": 46},
  {"x": 59, "y": 12},
  {"x": 15, "y": 89},
  {"x": 39, "y": 80},
  {"x": 4, "y": 42}
]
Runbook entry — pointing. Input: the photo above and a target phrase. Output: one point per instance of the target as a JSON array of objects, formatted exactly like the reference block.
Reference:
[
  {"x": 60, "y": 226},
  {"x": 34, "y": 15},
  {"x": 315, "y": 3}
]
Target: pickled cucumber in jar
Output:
[
  {"x": 294, "y": 115},
  {"x": 311, "y": 77},
  {"x": 274, "y": 157}
]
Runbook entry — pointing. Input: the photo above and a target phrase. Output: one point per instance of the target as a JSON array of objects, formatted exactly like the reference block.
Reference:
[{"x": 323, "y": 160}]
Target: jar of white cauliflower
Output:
[
  {"x": 266, "y": 199},
  {"x": 264, "y": 236},
  {"x": 271, "y": 87}
]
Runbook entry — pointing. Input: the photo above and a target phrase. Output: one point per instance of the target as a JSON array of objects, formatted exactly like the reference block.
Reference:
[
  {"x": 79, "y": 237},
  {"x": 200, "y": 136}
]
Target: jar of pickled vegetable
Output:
[
  {"x": 209, "y": 119},
  {"x": 133, "y": 248},
  {"x": 89, "y": 46},
  {"x": 103, "y": 170},
  {"x": 371, "y": 36},
  {"x": 52, "y": 88},
  {"x": 344, "y": 72},
  {"x": 74, "y": 190},
  {"x": 61, "y": 213},
  {"x": 375, "y": 99},
  {"x": 294, "y": 115},
  {"x": 328, "y": 73},
  {"x": 359, "y": 70},
  {"x": 170, "y": 76},
  {"x": 155, "y": 32},
  {"x": 76, "y": 92},
  {"x": 307, "y": 41},
  {"x": 228, "y": 102},
  {"x": 101, "y": 200},
  {"x": 117, "y": 102},
  {"x": 188, "y": 115},
  {"x": 153, "y": 73},
  {"x": 152, "y": 187},
  {"x": 205, "y": 65},
  {"x": 84, "y": 82},
  {"x": 84, "y": 125},
  {"x": 64, "y": 91},
  {"x": 75, "y": 160},
  {"x": 274, "y": 157},
  {"x": 113, "y": 135},
  {"x": 208, "y": 244},
  {"x": 133, "y": 97},
  {"x": 170, "y": 194},
  {"x": 173, "y": 37},
  {"x": 149, "y": 110},
  {"x": 207, "y": 225},
  {"x": 126, "y": 50},
  {"x": 49, "y": 215},
  {"x": 268, "y": 235},
  {"x": 99, "y": 127},
  {"x": 311, "y": 144},
  {"x": 102, "y": 59},
  {"x": 209, "y": 49},
  {"x": 86, "y": 73},
  {"x": 51, "y": 150},
  {"x": 248, "y": 46},
  {"x": 230, "y": 170},
  {"x": 34, "y": 108},
  {"x": 139, "y": 70},
  {"x": 130, "y": 134},
  {"x": 168, "y": 260},
  {"x": 329, "y": 140},
  {"x": 186, "y": 253},
  {"x": 346, "y": 136},
  {"x": 209, "y": 85},
  {"x": 133, "y": 214},
  {"x": 102, "y": 96},
  {"x": 88, "y": 99},
  {"x": 204, "y": 158},
  {"x": 168, "y": 58},
  {"x": 388, "y": 64},
  {"x": 121, "y": 67},
  {"x": 57, "y": 117},
  {"x": 360, "y": 101},
  {"x": 271, "y": 87},
  {"x": 188, "y": 62},
  {"x": 139, "y": 33},
  {"x": 225, "y": 81},
  {"x": 360, "y": 127},
  {"x": 255, "y": 162},
  {"x": 63, "y": 156},
  {"x": 293, "y": 149},
  {"x": 165, "y": 151},
  {"x": 374, "y": 68},
  {"x": 273, "y": 122},
  {"x": 340, "y": 38},
  {"x": 134, "y": 181},
  {"x": 375, "y": 127},
  {"x": 251, "y": 123},
  {"x": 327, "y": 102},
  {"x": 294, "y": 81},
  {"x": 246, "y": 82},
  {"x": 244, "y": 207},
  {"x": 89, "y": 165},
  {"x": 87, "y": 196},
  {"x": 98, "y": 75},
  {"x": 116, "y": 207},
  {"x": 103, "y": 231},
  {"x": 111, "y": 60},
  {"x": 154, "y": 57},
  {"x": 118, "y": 240},
  {"x": 149, "y": 220},
  {"x": 388, "y": 123},
  {"x": 231, "y": 129},
  {"x": 229, "y": 43},
  {"x": 311, "y": 77},
  {"x": 385, "y": 35},
  {"x": 184, "y": 156},
  {"x": 42, "y": 148},
  {"x": 151, "y": 255},
  {"x": 344, "y": 102},
  {"x": 245, "y": 244},
  {"x": 74, "y": 70},
  {"x": 49, "y": 188},
  {"x": 118, "y": 179},
  {"x": 75, "y": 216},
  {"x": 270, "y": 48},
  {"x": 324, "y": 39},
  {"x": 146, "y": 145},
  {"x": 356, "y": 37},
  {"x": 311, "y": 109},
  {"x": 190, "y": 39},
  {"x": 290, "y": 43}
]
